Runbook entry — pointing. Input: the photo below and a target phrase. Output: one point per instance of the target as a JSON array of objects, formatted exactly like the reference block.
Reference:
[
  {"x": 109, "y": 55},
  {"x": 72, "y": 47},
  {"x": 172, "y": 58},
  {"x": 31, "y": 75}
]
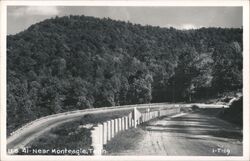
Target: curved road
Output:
[
  {"x": 22, "y": 137},
  {"x": 188, "y": 134},
  {"x": 36, "y": 128}
]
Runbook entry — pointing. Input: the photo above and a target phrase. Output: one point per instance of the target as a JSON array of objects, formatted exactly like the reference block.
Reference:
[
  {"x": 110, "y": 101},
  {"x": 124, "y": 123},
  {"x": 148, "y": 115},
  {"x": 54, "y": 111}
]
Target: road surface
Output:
[
  {"x": 188, "y": 134},
  {"x": 34, "y": 129},
  {"x": 38, "y": 127}
]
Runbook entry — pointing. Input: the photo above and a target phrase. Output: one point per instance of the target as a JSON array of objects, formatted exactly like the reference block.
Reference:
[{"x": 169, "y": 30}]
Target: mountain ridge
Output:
[{"x": 77, "y": 62}]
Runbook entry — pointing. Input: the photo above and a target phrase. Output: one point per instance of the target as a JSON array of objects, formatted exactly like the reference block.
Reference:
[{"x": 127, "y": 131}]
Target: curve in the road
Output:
[{"x": 34, "y": 129}]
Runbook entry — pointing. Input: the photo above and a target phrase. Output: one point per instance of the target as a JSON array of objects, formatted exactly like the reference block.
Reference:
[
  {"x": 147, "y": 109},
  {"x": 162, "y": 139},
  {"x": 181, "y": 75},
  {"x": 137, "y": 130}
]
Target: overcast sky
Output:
[{"x": 21, "y": 17}]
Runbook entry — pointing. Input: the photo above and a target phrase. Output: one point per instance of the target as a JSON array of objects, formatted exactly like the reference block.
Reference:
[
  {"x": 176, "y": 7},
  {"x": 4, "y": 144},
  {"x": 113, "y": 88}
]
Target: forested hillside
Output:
[{"x": 79, "y": 62}]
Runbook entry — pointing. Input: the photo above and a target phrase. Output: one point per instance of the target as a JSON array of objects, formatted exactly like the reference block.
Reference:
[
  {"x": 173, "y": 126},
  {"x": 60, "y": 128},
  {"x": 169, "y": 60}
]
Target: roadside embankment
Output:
[{"x": 234, "y": 113}]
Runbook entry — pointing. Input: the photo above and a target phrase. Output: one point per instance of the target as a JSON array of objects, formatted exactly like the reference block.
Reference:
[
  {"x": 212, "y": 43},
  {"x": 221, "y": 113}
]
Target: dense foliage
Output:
[{"x": 78, "y": 62}]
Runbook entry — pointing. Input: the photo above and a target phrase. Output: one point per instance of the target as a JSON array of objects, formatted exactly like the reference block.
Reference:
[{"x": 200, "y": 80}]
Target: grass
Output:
[
  {"x": 123, "y": 141},
  {"x": 67, "y": 136}
]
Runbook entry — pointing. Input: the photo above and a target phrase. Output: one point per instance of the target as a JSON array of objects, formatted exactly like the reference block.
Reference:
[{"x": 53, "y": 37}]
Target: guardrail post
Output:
[
  {"x": 135, "y": 117},
  {"x": 105, "y": 133},
  {"x": 101, "y": 134},
  {"x": 126, "y": 123},
  {"x": 97, "y": 144},
  {"x": 123, "y": 123},
  {"x": 130, "y": 120},
  {"x": 119, "y": 124},
  {"x": 112, "y": 128},
  {"x": 116, "y": 126},
  {"x": 109, "y": 131}
]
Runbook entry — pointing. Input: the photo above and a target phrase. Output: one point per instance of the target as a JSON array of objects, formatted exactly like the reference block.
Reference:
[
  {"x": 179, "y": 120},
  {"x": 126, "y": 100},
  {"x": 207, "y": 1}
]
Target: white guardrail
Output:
[
  {"x": 102, "y": 133},
  {"x": 87, "y": 110},
  {"x": 157, "y": 109}
]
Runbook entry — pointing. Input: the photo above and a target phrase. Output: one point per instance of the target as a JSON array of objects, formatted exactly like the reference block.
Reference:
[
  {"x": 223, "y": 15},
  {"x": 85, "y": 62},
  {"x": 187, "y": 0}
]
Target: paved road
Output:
[
  {"x": 188, "y": 134},
  {"x": 39, "y": 127}
]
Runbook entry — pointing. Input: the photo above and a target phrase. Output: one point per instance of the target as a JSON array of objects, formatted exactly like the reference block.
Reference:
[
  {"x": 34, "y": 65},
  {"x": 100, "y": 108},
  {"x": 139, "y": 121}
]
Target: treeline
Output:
[{"x": 78, "y": 62}]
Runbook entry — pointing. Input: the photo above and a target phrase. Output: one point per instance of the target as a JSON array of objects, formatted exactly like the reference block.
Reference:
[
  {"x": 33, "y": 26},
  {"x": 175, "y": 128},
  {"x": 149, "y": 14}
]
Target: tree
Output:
[
  {"x": 185, "y": 72},
  {"x": 78, "y": 62},
  {"x": 227, "y": 69}
]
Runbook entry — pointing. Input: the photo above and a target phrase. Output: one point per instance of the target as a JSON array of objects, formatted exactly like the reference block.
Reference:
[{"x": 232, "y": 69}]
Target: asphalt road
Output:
[
  {"x": 39, "y": 127},
  {"x": 188, "y": 134}
]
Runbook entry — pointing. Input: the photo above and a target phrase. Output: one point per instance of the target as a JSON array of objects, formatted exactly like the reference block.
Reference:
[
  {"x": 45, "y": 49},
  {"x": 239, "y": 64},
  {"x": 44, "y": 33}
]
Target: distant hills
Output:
[{"x": 78, "y": 62}]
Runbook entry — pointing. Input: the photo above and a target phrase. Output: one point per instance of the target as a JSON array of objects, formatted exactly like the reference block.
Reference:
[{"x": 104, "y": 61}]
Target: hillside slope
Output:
[{"x": 78, "y": 62}]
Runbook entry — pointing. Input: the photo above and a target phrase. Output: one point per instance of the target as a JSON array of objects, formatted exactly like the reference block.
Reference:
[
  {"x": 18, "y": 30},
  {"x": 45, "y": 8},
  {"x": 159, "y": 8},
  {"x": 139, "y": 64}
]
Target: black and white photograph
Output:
[{"x": 125, "y": 81}]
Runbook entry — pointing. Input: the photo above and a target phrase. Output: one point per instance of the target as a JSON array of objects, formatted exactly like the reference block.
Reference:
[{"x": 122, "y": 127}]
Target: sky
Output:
[{"x": 20, "y": 18}]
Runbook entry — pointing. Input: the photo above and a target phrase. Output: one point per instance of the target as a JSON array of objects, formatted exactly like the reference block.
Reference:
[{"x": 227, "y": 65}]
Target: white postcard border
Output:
[{"x": 157, "y": 3}]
